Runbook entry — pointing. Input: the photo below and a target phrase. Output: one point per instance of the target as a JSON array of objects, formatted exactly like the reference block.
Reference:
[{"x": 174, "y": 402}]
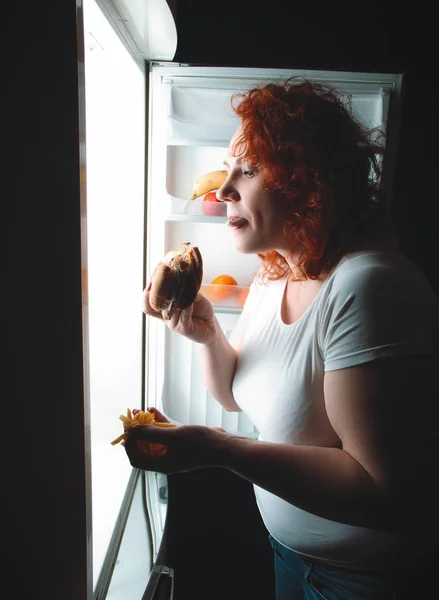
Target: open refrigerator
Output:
[{"x": 188, "y": 125}]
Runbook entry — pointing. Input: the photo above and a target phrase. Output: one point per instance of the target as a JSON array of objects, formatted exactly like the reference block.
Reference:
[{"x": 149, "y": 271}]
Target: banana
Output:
[{"x": 208, "y": 182}]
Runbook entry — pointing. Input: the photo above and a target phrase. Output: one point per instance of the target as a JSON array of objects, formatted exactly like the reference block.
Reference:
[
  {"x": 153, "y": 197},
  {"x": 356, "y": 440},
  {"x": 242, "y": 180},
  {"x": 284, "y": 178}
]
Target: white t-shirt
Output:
[{"x": 371, "y": 305}]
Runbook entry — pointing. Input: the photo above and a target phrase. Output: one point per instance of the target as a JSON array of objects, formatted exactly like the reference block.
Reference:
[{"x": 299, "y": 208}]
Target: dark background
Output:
[{"x": 43, "y": 486}]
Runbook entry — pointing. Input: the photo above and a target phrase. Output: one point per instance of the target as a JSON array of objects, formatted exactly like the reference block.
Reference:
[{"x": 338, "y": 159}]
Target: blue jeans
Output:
[{"x": 299, "y": 579}]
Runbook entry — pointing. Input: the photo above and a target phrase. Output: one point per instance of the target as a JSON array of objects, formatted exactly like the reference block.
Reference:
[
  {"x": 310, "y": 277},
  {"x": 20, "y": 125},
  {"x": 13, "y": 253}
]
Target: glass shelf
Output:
[
  {"x": 195, "y": 210},
  {"x": 225, "y": 298},
  {"x": 198, "y": 143}
]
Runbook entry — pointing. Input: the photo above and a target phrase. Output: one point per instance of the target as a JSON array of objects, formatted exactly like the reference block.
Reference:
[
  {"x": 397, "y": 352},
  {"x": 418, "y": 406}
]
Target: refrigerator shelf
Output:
[
  {"x": 225, "y": 298},
  {"x": 227, "y": 310},
  {"x": 195, "y": 218},
  {"x": 198, "y": 143},
  {"x": 195, "y": 210}
]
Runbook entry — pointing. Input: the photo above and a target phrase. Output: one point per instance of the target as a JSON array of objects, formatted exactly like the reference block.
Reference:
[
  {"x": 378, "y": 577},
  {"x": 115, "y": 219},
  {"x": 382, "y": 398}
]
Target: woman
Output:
[{"x": 333, "y": 358}]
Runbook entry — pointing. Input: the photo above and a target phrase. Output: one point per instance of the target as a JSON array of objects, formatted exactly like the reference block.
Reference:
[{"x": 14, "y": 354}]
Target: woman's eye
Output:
[{"x": 248, "y": 173}]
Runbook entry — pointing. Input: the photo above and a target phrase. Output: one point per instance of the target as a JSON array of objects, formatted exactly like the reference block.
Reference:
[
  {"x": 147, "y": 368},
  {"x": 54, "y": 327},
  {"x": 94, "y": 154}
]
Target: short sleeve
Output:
[{"x": 373, "y": 311}]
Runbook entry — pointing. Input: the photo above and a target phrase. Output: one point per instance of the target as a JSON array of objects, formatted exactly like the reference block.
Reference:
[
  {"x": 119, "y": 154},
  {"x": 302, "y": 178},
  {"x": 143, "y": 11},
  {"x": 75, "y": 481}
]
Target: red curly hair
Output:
[{"x": 320, "y": 164}]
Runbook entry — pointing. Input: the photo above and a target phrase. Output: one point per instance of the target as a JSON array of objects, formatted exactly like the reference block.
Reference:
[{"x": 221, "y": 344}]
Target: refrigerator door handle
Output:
[{"x": 161, "y": 584}]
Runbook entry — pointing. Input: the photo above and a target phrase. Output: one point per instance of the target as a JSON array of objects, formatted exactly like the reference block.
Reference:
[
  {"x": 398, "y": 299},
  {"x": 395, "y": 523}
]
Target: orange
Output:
[
  {"x": 221, "y": 289},
  {"x": 224, "y": 280}
]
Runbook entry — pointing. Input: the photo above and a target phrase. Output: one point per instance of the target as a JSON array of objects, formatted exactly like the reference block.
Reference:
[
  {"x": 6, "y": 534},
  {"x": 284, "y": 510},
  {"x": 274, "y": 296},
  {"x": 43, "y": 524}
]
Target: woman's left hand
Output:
[{"x": 189, "y": 447}]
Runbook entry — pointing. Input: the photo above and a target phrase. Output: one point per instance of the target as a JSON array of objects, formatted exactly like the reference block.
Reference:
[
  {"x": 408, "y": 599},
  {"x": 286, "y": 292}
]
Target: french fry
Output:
[{"x": 141, "y": 418}]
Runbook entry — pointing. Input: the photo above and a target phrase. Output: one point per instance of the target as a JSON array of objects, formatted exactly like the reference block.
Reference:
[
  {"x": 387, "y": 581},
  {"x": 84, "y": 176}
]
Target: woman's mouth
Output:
[{"x": 236, "y": 222}]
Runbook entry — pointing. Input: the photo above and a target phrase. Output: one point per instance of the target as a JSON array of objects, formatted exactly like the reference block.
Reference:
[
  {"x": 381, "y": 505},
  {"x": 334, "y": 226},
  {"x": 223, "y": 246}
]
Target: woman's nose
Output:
[{"x": 227, "y": 192}]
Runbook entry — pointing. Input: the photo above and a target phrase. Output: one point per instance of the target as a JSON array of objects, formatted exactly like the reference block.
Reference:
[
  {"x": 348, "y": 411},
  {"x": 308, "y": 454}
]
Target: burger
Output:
[{"x": 176, "y": 280}]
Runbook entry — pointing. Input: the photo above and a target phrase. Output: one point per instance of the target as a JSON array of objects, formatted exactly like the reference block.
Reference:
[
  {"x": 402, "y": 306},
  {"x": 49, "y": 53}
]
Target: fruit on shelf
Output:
[
  {"x": 209, "y": 204},
  {"x": 224, "y": 280},
  {"x": 208, "y": 182},
  {"x": 222, "y": 288},
  {"x": 211, "y": 197}
]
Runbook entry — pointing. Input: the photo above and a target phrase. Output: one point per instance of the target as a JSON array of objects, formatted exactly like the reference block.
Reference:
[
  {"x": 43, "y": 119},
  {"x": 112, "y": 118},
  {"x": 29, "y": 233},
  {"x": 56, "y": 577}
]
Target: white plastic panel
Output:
[
  {"x": 369, "y": 109},
  {"x": 199, "y": 111},
  {"x": 201, "y": 114}
]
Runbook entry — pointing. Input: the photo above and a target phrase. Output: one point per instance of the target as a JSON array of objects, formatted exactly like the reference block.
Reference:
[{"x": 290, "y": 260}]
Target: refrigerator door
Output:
[
  {"x": 190, "y": 125},
  {"x": 125, "y": 528}
]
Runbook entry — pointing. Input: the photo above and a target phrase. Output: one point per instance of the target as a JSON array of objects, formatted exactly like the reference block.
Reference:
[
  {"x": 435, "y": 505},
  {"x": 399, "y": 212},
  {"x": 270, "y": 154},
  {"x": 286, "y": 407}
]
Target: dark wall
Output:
[
  {"x": 44, "y": 543},
  {"x": 355, "y": 35}
]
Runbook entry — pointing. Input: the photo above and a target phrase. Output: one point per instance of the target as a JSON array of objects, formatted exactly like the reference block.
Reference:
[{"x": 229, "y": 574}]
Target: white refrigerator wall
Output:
[{"x": 191, "y": 123}]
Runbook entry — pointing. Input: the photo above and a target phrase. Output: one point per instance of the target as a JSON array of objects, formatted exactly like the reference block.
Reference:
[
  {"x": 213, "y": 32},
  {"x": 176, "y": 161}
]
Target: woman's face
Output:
[{"x": 252, "y": 215}]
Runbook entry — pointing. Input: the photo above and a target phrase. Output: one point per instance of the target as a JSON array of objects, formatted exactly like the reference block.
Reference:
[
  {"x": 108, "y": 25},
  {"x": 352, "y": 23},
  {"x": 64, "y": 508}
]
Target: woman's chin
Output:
[{"x": 246, "y": 248}]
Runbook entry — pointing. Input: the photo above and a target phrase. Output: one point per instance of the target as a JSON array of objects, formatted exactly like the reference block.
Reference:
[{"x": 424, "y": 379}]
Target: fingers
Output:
[
  {"x": 146, "y": 306},
  {"x": 158, "y": 416},
  {"x": 182, "y": 320}
]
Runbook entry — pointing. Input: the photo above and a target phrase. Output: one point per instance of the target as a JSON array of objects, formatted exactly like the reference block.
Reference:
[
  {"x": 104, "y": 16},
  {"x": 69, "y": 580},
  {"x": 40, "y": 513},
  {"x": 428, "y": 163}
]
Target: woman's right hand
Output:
[{"x": 197, "y": 322}]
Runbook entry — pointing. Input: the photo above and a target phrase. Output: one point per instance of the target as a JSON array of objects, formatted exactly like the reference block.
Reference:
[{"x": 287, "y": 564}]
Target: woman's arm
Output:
[
  {"x": 384, "y": 413},
  {"x": 218, "y": 361},
  {"x": 218, "y": 357},
  {"x": 380, "y": 478}
]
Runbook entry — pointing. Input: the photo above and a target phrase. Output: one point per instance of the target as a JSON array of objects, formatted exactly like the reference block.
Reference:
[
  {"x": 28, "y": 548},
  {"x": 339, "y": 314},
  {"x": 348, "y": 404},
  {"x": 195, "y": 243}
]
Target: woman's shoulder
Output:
[
  {"x": 375, "y": 264},
  {"x": 388, "y": 273}
]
